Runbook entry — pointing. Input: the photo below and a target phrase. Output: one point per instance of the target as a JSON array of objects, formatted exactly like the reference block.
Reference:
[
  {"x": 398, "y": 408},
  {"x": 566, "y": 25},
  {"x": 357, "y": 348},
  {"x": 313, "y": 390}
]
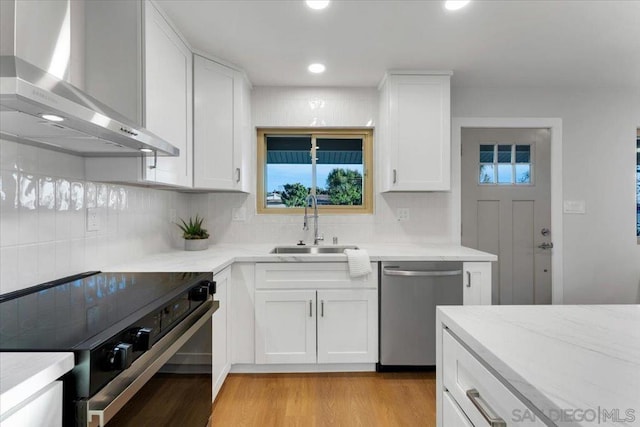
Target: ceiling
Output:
[{"x": 489, "y": 43}]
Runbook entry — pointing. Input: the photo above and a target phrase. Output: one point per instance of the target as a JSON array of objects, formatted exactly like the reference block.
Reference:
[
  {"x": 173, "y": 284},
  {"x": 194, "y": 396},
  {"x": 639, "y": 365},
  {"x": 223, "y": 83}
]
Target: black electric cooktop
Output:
[{"x": 79, "y": 312}]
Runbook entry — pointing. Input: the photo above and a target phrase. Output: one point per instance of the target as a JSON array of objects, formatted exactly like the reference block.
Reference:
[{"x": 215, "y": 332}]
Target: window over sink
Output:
[{"x": 333, "y": 164}]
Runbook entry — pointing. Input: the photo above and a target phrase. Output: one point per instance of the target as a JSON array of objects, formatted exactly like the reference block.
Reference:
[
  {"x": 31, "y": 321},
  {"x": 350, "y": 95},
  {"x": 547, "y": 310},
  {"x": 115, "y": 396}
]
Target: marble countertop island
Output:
[{"x": 560, "y": 358}]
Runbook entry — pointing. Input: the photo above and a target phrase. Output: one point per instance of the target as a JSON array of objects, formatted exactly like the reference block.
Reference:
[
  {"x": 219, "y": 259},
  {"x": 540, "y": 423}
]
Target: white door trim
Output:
[{"x": 555, "y": 125}]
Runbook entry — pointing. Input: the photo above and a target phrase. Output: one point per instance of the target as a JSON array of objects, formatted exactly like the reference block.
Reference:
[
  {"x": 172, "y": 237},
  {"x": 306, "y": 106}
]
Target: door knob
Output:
[{"x": 545, "y": 245}]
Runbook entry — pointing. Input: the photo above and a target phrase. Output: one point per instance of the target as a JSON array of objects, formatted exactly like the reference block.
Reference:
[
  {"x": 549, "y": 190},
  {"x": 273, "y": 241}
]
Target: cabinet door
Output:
[
  {"x": 285, "y": 327},
  {"x": 476, "y": 283},
  {"x": 42, "y": 409},
  {"x": 243, "y": 159},
  {"x": 214, "y": 88},
  {"x": 348, "y": 326},
  {"x": 419, "y": 132},
  {"x": 221, "y": 331},
  {"x": 168, "y": 95}
]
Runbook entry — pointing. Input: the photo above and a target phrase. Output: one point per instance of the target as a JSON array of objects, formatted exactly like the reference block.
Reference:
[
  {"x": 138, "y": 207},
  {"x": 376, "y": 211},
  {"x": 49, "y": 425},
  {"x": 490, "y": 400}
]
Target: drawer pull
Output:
[{"x": 474, "y": 397}]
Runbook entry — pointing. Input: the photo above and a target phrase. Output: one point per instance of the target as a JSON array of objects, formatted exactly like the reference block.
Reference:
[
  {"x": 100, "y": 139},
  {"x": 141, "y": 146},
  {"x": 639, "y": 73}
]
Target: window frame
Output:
[{"x": 367, "y": 153}]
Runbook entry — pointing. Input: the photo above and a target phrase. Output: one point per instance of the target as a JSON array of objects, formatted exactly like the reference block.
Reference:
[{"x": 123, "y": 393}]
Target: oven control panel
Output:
[{"x": 123, "y": 349}]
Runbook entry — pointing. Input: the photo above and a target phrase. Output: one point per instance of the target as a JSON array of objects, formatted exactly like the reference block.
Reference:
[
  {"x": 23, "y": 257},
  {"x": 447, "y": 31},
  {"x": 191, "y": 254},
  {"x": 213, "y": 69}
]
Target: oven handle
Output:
[{"x": 105, "y": 404}]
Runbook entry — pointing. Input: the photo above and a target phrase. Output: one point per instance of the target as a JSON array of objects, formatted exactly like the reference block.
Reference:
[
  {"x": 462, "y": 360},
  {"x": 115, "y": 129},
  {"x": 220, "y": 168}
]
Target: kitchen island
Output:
[{"x": 537, "y": 365}]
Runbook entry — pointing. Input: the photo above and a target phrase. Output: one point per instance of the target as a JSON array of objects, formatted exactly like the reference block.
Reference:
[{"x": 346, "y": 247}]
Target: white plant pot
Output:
[{"x": 196, "y": 244}]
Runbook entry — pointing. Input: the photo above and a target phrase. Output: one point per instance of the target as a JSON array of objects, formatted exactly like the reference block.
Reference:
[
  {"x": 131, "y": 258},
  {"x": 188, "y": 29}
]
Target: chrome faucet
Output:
[{"x": 311, "y": 198}]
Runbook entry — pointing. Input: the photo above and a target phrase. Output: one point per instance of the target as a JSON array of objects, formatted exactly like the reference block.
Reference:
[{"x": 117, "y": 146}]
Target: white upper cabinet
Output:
[
  {"x": 415, "y": 132},
  {"x": 143, "y": 70},
  {"x": 168, "y": 91},
  {"x": 222, "y": 122}
]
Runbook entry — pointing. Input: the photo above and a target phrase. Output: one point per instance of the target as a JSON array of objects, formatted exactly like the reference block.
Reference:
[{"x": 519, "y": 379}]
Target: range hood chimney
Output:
[{"x": 29, "y": 95}]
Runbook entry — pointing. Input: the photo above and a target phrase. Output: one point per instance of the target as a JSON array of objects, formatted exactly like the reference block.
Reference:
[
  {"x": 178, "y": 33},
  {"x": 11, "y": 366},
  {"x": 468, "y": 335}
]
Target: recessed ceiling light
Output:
[
  {"x": 146, "y": 150},
  {"x": 316, "y": 68},
  {"x": 317, "y": 4},
  {"x": 455, "y": 4},
  {"x": 52, "y": 117}
]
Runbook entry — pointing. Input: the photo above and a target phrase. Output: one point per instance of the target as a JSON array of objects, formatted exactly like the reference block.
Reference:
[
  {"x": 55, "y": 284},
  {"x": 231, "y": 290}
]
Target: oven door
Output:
[{"x": 171, "y": 384}]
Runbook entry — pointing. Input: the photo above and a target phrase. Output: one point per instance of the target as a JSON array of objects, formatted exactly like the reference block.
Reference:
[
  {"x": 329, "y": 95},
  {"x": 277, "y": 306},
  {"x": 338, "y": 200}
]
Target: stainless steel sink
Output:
[{"x": 315, "y": 250}]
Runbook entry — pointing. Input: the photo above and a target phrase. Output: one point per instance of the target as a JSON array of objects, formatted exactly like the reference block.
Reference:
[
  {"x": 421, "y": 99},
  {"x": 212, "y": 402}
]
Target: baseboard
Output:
[{"x": 272, "y": 369}]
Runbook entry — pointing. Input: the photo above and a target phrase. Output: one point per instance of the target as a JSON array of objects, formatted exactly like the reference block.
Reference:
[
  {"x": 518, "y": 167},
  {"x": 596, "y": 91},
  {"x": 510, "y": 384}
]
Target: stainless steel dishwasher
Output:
[{"x": 409, "y": 294}]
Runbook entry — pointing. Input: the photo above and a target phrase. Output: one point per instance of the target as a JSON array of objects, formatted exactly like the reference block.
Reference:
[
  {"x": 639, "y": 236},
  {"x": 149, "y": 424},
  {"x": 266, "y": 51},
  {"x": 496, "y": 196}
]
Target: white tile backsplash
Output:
[{"x": 43, "y": 202}]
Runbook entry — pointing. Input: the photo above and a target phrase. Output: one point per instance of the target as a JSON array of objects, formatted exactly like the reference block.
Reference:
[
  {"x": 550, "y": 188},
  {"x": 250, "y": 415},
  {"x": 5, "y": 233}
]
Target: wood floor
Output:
[{"x": 335, "y": 399}]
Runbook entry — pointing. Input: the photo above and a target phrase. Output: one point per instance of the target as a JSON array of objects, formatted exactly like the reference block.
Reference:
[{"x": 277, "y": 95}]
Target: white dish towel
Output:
[{"x": 359, "y": 262}]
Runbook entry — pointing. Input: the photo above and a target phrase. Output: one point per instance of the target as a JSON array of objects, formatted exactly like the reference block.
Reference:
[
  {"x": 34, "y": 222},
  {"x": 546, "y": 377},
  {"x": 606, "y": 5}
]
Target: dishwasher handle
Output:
[{"x": 420, "y": 273}]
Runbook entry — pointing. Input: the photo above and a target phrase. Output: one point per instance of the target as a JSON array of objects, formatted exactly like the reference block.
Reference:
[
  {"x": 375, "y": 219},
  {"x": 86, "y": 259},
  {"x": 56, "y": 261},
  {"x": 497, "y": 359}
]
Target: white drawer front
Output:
[
  {"x": 463, "y": 372},
  {"x": 312, "y": 275},
  {"x": 452, "y": 415}
]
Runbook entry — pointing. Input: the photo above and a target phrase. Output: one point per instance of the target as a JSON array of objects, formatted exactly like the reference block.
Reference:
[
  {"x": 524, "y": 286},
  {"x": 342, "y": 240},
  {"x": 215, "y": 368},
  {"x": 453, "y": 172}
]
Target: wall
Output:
[
  {"x": 43, "y": 200},
  {"x": 329, "y": 107},
  {"x": 601, "y": 254}
]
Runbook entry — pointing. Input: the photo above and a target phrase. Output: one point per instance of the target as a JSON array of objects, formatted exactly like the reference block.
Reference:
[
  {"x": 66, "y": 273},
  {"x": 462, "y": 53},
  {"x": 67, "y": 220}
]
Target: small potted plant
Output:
[{"x": 195, "y": 237}]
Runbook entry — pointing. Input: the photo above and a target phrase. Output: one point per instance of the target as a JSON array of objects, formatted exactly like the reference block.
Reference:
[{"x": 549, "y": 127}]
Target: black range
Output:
[{"x": 108, "y": 320}]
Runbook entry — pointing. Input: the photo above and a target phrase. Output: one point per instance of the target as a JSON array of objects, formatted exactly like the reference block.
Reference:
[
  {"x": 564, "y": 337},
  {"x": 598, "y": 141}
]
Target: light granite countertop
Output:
[
  {"x": 24, "y": 374},
  {"x": 217, "y": 257},
  {"x": 558, "y": 357}
]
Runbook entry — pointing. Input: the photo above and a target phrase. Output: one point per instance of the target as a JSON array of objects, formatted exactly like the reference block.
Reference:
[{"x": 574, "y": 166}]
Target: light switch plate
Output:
[
  {"x": 238, "y": 214},
  {"x": 93, "y": 219},
  {"x": 574, "y": 207},
  {"x": 402, "y": 214}
]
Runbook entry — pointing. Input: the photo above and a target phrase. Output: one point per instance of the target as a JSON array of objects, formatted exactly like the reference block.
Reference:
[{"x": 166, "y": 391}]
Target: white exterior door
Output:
[
  {"x": 506, "y": 209},
  {"x": 347, "y": 326},
  {"x": 285, "y": 326}
]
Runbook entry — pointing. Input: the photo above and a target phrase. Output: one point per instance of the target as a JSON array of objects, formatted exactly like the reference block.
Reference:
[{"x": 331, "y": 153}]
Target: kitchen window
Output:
[{"x": 333, "y": 164}]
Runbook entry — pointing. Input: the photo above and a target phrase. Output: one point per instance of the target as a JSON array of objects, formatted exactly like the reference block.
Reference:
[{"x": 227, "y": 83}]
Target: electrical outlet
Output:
[
  {"x": 238, "y": 214},
  {"x": 93, "y": 219},
  {"x": 402, "y": 214}
]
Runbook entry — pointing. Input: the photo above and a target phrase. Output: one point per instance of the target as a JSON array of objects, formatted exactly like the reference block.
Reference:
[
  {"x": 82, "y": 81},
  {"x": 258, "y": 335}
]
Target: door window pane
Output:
[
  {"x": 505, "y": 164},
  {"x": 505, "y": 175},
  {"x": 523, "y": 174},
  {"x": 523, "y": 153},
  {"x": 504, "y": 154},
  {"x": 486, "y": 153},
  {"x": 487, "y": 174}
]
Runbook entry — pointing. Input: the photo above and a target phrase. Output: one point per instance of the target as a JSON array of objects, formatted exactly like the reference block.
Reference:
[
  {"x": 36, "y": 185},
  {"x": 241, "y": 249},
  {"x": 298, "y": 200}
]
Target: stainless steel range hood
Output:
[{"x": 88, "y": 127}]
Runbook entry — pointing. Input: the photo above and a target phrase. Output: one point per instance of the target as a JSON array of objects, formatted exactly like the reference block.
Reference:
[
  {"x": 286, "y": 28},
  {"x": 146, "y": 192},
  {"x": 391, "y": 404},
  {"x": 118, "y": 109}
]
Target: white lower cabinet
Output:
[
  {"x": 221, "y": 354},
  {"x": 476, "y": 288},
  {"x": 472, "y": 395},
  {"x": 307, "y": 313},
  {"x": 345, "y": 320},
  {"x": 42, "y": 409}
]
